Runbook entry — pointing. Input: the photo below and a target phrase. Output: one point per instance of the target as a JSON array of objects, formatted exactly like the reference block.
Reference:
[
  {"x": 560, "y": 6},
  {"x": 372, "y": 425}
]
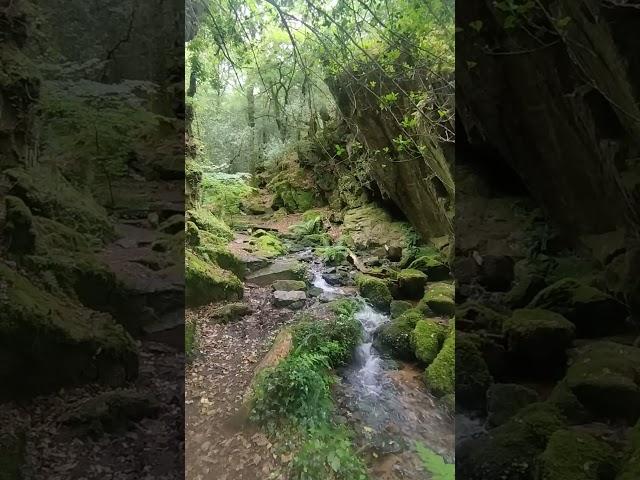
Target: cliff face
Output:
[
  {"x": 554, "y": 92},
  {"x": 417, "y": 178}
]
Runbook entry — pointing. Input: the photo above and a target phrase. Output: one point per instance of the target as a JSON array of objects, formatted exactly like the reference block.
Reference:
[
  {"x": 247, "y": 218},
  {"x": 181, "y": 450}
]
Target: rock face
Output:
[{"x": 370, "y": 226}]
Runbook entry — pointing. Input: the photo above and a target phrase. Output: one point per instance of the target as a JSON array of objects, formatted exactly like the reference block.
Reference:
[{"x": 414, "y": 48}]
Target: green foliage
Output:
[
  {"x": 223, "y": 193},
  {"x": 435, "y": 464},
  {"x": 190, "y": 340},
  {"x": 269, "y": 245},
  {"x": 327, "y": 453},
  {"x": 333, "y": 255},
  {"x": 297, "y": 390},
  {"x": 313, "y": 225}
]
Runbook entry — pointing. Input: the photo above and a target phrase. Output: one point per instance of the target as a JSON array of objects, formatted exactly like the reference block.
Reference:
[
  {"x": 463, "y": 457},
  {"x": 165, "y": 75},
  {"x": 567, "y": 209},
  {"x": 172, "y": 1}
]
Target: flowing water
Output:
[{"x": 386, "y": 401}]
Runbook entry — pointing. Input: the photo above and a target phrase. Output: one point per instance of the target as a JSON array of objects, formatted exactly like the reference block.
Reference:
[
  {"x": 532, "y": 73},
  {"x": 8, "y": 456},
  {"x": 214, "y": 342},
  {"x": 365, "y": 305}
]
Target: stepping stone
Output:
[
  {"x": 293, "y": 299},
  {"x": 279, "y": 270}
]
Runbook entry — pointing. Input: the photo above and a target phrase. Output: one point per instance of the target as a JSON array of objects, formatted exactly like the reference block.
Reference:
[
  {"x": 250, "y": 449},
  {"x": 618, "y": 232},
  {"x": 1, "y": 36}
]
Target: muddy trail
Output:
[{"x": 382, "y": 400}]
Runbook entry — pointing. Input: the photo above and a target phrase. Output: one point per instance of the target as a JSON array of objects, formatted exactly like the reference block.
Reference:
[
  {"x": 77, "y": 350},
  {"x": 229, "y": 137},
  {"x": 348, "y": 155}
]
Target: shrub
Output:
[
  {"x": 333, "y": 255},
  {"x": 297, "y": 390},
  {"x": 224, "y": 193}
]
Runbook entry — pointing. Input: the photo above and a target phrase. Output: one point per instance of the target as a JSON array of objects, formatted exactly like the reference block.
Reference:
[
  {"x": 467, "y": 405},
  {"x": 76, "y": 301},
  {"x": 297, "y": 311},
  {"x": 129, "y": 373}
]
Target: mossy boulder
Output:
[
  {"x": 434, "y": 267},
  {"x": 593, "y": 312},
  {"x": 504, "y": 400},
  {"x": 395, "y": 336},
  {"x": 371, "y": 227},
  {"x": 509, "y": 451},
  {"x": 576, "y": 455},
  {"x": 440, "y": 374},
  {"x": 232, "y": 312},
  {"x": 206, "y": 282},
  {"x": 219, "y": 255},
  {"x": 631, "y": 467},
  {"x": 427, "y": 340},
  {"x": 398, "y": 307},
  {"x": 475, "y": 316},
  {"x": 293, "y": 189},
  {"x": 49, "y": 194},
  {"x": 439, "y": 299},
  {"x": 55, "y": 236},
  {"x": 411, "y": 283},
  {"x": 268, "y": 245},
  {"x": 375, "y": 290},
  {"x": 473, "y": 378},
  {"x": 538, "y": 339},
  {"x": 289, "y": 285},
  {"x": 207, "y": 221},
  {"x": 605, "y": 378},
  {"x": 280, "y": 269},
  {"x": 172, "y": 225},
  {"x": 564, "y": 399},
  {"x": 48, "y": 342},
  {"x": 19, "y": 228}
]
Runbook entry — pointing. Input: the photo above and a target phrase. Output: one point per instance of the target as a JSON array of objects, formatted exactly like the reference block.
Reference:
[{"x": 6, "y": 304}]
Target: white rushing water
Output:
[{"x": 369, "y": 375}]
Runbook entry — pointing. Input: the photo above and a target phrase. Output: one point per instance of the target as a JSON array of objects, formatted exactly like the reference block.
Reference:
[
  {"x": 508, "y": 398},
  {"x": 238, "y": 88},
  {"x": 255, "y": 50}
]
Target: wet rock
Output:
[
  {"x": 315, "y": 292},
  {"x": 334, "y": 279},
  {"x": 289, "y": 285},
  {"x": 293, "y": 300},
  {"x": 282, "y": 269},
  {"x": 398, "y": 307},
  {"x": 505, "y": 399},
  {"x": 496, "y": 273},
  {"x": 571, "y": 454},
  {"x": 605, "y": 378},
  {"x": 110, "y": 412},
  {"x": 394, "y": 337},
  {"x": 232, "y": 312},
  {"x": 411, "y": 283},
  {"x": 538, "y": 339},
  {"x": 592, "y": 311}
]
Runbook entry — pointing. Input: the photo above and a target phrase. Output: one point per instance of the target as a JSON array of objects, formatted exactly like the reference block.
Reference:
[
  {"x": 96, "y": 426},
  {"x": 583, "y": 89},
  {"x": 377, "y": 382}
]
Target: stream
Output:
[{"x": 386, "y": 401}]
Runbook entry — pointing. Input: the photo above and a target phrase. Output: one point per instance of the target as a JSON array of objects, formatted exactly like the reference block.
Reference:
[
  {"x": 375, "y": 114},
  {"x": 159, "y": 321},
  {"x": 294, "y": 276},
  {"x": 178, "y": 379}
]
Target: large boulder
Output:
[
  {"x": 289, "y": 285},
  {"x": 439, "y": 299},
  {"x": 504, "y": 400},
  {"x": 605, "y": 378},
  {"x": 395, "y": 336},
  {"x": 440, "y": 375},
  {"x": 282, "y": 269},
  {"x": 594, "y": 312},
  {"x": 293, "y": 299},
  {"x": 538, "y": 339},
  {"x": 472, "y": 375},
  {"x": 206, "y": 282},
  {"x": 371, "y": 227},
  {"x": 411, "y": 283},
  {"x": 496, "y": 272},
  {"x": 375, "y": 290},
  {"x": 47, "y": 342},
  {"x": 427, "y": 339}
]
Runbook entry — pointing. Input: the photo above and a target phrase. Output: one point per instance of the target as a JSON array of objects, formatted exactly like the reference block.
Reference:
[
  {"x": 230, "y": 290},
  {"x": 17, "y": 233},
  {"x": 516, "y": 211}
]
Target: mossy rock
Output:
[
  {"x": 434, "y": 268},
  {"x": 411, "y": 283},
  {"x": 504, "y": 400},
  {"x": 576, "y": 455},
  {"x": 293, "y": 189},
  {"x": 395, "y": 337},
  {"x": 48, "y": 194},
  {"x": 592, "y": 311},
  {"x": 269, "y": 245},
  {"x": 52, "y": 236},
  {"x": 375, "y": 290},
  {"x": 219, "y": 255},
  {"x": 232, "y": 312},
  {"x": 565, "y": 400},
  {"x": 372, "y": 227},
  {"x": 473, "y": 377},
  {"x": 19, "y": 228},
  {"x": 605, "y": 378},
  {"x": 315, "y": 240},
  {"x": 207, "y": 221},
  {"x": 538, "y": 340},
  {"x": 206, "y": 282},
  {"x": 289, "y": 285},
  {"x": 51, "y": 342},
  {"x": 524, "y": 290},
  {"x": 440, "y": 374},
  {"x": 172, "y": 225},
  {"x": 480, "y": 317},
  {"x": 439, "y": 299},
  {"x": 398, "y": 307},
  {"x": 509, "y": 451},
  {"x": 427, "y": 340}
]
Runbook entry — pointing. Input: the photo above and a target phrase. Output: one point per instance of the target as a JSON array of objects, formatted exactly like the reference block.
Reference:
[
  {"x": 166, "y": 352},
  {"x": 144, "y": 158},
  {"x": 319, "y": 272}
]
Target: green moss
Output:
[
  {"x": 172, "y": 225},
  {"x": 482, "y": 317},
  {"x": 604, "y": 377},
  {"x": 395, "y": 337},
  {"x": 411, "y": 283},
  {"x": 432, "y": 266},
  {"x": 398, "y": 307},
  {"x": 539, "y": 337},
  {"x": 472, "y": 373},
  {"x": 575, "y": 455},
  {"x": 440, "y": 375},
  {"x": 52, "y": 235},
  {"x": 206, "y": 282},
  {"x": 190, "y": 339},
  {"x": 593, "y": 312},
  {"x": 375, "y": 290},
  {"x": 55, "y": 342},
  {"x": 427, "y": 340},
  {"x": 371, "y": 227},
  {"x": 439, "y": 299},
  {"x": 268, "y": 245},
  {"x": 505, "y": 399},
  {"x": 49, "y": 194},
  {"x": 631, "y": 467},
  {"x": 564, "y": 399},
  {"x": 207, "y": 221},
  {"x": 293, "y": 189}
]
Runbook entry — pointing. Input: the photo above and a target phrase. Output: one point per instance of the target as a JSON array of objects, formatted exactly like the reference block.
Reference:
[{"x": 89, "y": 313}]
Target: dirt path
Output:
[{"x": 219, "y": 446}]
